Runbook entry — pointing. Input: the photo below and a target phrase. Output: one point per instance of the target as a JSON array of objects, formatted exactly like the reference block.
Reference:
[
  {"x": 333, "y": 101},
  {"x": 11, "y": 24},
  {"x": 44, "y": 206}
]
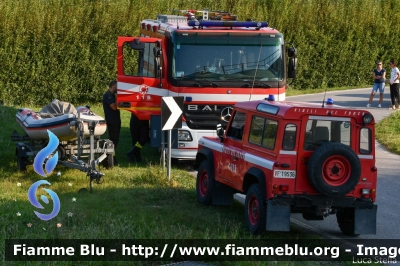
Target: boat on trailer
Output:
[
  {"x": 78, "y": 130},
  {"x": 61, "y": 119}
]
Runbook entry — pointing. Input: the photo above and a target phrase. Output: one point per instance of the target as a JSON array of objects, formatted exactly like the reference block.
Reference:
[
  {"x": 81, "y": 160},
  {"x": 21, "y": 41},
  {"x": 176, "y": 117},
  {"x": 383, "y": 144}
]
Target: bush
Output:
[{"x": 67, "y": 49}]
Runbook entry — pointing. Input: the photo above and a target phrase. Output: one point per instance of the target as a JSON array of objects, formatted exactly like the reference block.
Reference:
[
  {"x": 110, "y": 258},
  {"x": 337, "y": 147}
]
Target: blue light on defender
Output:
[
  {"x": 329, "y": 101},
  {"x": 270, "y": 98}
]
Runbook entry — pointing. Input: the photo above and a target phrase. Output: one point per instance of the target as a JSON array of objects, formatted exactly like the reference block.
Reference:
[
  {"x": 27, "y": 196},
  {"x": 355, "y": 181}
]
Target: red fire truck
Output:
[{"x": 212, "y": 60}]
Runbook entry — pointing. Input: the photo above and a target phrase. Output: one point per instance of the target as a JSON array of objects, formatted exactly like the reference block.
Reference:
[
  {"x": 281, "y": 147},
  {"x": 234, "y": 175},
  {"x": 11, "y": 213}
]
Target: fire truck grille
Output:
[{"x": 206, "y": 116}]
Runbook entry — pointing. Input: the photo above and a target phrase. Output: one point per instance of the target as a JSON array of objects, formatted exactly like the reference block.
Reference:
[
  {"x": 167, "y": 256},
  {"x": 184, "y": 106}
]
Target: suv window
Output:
[
  {"x": 236, "y": 128},
  {"x": 365, "y": 141},
  {"x": 321, "y": 131},
  {"x": 289, "y": 137},
  {"x": 263, "y": 132}
]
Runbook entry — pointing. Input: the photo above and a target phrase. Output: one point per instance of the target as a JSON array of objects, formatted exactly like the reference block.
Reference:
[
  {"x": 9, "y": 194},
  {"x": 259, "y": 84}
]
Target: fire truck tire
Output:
[
  {"x": 205, "y": 183},
  {"x": 21, "y": 163},
  {"x": 255, "y": 210},
  {"x": 334, "y": 169},
  {"x": 345, "y": 220}
]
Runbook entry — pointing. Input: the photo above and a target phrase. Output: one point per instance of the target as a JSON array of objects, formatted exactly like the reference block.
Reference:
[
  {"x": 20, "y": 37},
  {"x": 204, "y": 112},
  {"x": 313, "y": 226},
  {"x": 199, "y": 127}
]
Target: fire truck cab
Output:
[{"x": 212, "y": 60}]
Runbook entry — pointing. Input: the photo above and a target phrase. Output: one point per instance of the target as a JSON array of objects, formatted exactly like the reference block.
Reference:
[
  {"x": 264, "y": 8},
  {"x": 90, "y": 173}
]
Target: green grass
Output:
[{"x": 388, "y": 132}]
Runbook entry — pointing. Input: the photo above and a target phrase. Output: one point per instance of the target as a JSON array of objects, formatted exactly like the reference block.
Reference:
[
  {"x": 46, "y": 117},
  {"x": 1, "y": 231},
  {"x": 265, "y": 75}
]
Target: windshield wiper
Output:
[
  {"x": 257, "y": 84},
  {"x": 207, "y": 83}
]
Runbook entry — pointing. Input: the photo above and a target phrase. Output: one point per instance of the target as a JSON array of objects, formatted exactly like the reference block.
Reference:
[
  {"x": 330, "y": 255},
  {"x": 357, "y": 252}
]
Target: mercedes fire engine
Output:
[{"x": 212, "y": 60}]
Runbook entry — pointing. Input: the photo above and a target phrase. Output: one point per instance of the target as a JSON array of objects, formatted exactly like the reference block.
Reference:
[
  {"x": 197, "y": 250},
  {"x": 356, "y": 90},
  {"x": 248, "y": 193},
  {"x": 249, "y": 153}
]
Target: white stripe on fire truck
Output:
[
  {"x": 247, "y": 157},
  {"x": 211, "y": 144},
  {"x": 287, "y": 152},
  {"x": 366, "y": 156},
  {"x": 258, "y": 161},
  {"x": 329, "y": 118},
  {"x": 126, "y": 89}
]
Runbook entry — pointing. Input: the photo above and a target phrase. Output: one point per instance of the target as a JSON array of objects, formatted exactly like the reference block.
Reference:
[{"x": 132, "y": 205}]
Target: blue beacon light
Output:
[
  {"x": 329, "y": 101},
  {"x": 270, "y": 98},
  {"x": 188, "y": 99}
]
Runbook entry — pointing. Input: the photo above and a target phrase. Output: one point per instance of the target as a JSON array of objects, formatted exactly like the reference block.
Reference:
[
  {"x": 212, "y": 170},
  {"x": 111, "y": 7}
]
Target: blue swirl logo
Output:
[
  {"x": 32, "y": 198},
  {"x": 44, "y": 153}
]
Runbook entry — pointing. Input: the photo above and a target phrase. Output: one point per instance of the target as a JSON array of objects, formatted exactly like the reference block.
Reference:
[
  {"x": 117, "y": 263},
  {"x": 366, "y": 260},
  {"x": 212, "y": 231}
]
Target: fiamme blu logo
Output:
[{"x": 48, "y": 153}]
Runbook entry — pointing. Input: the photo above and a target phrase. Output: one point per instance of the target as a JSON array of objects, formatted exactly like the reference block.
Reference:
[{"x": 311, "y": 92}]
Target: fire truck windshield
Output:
[{"x": 226, "y": 60}]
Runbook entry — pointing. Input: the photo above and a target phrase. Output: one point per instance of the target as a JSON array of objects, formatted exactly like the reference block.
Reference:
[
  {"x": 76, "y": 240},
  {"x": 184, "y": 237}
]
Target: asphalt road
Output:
[{"x": 388, "y": 188}]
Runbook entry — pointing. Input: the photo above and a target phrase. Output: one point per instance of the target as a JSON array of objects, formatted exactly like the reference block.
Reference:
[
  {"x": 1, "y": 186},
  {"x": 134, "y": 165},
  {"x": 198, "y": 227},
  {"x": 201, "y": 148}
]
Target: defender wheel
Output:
[
  {"x": 345, "y": 220},
  {"x": 255, "y": 210},
  {"x": 205, "y": 183},
  {"x": 21, "y": 163},
  {"x": 334, "y": 169}
]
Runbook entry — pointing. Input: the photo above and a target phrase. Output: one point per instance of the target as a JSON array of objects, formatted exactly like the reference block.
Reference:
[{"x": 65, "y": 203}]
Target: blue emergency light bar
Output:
[{"x": 220, "y": 23}]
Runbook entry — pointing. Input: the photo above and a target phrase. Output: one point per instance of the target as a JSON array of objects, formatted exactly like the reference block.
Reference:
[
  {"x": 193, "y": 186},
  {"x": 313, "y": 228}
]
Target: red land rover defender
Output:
[{"x": 291, "y": 157}]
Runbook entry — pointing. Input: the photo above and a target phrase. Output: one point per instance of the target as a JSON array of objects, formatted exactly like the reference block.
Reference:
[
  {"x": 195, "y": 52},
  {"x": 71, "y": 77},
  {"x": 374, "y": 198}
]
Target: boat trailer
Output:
[{"x": 70, "y": 153}]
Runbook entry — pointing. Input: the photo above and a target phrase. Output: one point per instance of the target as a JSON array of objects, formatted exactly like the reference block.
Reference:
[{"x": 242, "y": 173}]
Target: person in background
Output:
[
  {"x": 140, "y": 135},
  {"x": 379, "y": 76},
  {"x": 394, "y": 85},
  {"x": 112, "y": 114}
]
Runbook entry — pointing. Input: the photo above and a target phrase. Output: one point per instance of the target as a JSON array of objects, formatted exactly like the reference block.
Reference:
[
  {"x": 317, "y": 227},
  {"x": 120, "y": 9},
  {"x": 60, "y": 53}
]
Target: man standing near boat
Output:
[{"x": 112, "y": 114}]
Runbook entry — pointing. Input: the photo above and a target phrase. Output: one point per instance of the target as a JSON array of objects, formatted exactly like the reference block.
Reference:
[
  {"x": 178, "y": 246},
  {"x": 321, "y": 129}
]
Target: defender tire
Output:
[
  {"x": 345, "y": 220},
  {"x": 255, "y": 210},
  {"x": 334, "y": 169},
  {"x": 205, "y": 183}
]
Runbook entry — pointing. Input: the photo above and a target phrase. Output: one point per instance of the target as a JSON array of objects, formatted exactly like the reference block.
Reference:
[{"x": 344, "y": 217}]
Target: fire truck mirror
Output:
[
  {"x": 157, "y": 51},
  {"x": 292, "y": 68},
  {"x": 136, "y": 44},
  {"x": 292, "y": 52}
]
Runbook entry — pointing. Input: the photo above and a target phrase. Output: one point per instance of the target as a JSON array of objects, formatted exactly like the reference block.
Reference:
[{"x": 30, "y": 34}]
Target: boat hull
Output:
[{"x": 64, "y": 126}]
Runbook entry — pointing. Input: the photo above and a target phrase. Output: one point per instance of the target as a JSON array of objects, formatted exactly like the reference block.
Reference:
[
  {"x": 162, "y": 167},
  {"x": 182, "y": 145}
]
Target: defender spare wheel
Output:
[{"x": 334, "y": 169}]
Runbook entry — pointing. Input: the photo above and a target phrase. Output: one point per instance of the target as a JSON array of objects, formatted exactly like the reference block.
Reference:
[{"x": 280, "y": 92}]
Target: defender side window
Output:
[
  {"x": 365, "y": 141},
  {"x": 237, "y": 126},
  {"x": 263, "y": 132},
  {"x": 289, "y": 137}
]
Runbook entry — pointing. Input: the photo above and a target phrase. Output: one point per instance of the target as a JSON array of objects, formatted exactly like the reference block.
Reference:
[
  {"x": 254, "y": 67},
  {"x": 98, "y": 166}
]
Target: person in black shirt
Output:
[{"x": 112, "y": 114}]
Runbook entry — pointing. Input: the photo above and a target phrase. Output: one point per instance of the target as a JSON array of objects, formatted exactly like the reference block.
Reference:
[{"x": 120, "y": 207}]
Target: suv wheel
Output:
[
  {"x": 255, "y": 210},
  {"x": 334, "y": 169},
  {"x": 345, "y": 220},
  {"x": 204, "y": 183}
]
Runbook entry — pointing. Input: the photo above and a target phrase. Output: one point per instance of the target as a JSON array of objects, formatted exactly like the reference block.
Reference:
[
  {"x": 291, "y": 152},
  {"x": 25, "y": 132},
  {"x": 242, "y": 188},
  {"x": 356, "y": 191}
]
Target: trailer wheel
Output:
[
  {"x": 255, "y": 210},
  {"x": 21, "y": 163},
  {"x": 345, "y": 220},
  {"x": 205, "y": 183},
  {"x": 109, "y": 161}
]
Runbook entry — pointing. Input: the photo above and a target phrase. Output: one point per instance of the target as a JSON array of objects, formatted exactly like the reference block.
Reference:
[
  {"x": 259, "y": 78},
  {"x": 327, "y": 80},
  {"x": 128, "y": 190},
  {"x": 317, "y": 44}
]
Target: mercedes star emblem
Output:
[{"x": 226, "y": 114}]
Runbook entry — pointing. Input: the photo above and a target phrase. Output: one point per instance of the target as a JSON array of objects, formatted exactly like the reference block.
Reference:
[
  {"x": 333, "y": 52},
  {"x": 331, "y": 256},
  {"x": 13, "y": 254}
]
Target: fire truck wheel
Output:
[
  {"x": 21, "y": 163},
  {"x": 255, "y": 210},
  {"x": 345, "y": 220},
  {"x": 205, "y": 183},
  {"x": 334, "y": 169}
]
